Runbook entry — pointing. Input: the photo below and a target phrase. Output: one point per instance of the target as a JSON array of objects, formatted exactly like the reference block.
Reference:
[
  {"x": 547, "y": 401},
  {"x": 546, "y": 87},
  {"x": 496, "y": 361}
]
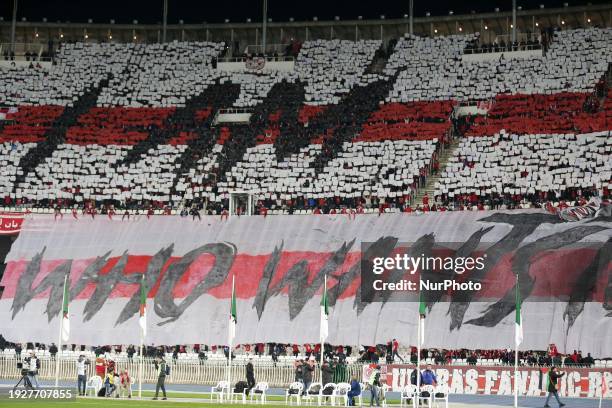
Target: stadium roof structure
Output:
[{"x": 492, "y": 24}]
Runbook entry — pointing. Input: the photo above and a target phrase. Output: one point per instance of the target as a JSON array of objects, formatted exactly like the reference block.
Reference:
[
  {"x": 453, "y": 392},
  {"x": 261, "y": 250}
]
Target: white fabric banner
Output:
[{"x": 279, "y": 263}]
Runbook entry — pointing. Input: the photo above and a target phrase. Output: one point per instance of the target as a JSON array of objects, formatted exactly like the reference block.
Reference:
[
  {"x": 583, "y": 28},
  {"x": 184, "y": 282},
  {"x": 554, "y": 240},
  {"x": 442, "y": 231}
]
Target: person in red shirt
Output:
[
  {"x": 425, "y": 200},
  {"x": 125, "y": 383},
  {"x": 395, "y": 348},
  {"x": 317, "y": 211},
  {"x": 101, "y": 365},
  {"x": 296, "y": 350}
]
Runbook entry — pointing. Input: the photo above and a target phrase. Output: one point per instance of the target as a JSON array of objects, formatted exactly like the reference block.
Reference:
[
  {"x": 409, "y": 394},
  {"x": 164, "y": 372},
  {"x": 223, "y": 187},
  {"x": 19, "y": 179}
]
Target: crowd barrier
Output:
[{"x": 195, "y": 371}]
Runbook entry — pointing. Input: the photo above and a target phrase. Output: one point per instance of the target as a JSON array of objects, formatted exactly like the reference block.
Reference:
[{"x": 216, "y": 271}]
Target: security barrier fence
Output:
[{"x": 183, "y": 371}]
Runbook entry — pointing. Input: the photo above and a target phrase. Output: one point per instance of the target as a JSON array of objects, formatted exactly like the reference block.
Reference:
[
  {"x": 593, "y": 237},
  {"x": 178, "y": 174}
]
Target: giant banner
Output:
[
  {"x": 280, "y": 264},
  {"x": 499, "y": 380}
]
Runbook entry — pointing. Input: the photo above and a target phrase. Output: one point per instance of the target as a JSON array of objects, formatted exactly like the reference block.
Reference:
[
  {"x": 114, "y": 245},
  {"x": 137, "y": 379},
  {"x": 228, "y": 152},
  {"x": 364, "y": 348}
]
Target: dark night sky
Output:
[{"x": 149, "y": 11}]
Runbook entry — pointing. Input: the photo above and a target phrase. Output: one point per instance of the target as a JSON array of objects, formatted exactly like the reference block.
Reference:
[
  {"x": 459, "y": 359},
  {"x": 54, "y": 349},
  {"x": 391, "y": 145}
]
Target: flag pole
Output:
[
  {"x": 142, "y": 321},
  {"x": 59, "y": 341},
  {"x": 516, "y": 343},
  {"x": 140, "y": 366},
  {"x": 231, "y": 340},
  {"x": 322, "y": 340},
  {"x": 418, "y": 364}
]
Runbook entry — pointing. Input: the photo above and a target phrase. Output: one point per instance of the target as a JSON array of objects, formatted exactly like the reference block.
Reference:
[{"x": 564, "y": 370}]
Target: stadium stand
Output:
[
  {"x": 527, "y": 164},
  {"x": 136, "y": 127}
]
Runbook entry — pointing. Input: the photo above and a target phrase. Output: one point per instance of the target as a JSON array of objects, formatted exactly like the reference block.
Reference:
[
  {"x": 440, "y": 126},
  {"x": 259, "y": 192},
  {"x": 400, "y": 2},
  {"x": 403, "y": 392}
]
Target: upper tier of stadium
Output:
[{"x": 354, "y": 123}]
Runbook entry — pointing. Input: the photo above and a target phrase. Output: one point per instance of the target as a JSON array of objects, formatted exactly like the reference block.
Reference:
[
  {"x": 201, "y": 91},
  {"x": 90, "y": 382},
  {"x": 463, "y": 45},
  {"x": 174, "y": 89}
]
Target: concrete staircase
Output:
[{"x": 429, "y": 187}]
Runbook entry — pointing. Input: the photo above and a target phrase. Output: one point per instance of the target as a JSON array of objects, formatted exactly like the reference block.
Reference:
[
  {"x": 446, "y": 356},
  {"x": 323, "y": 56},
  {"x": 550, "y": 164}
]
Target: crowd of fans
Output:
[{"x": 389, "y": 353}]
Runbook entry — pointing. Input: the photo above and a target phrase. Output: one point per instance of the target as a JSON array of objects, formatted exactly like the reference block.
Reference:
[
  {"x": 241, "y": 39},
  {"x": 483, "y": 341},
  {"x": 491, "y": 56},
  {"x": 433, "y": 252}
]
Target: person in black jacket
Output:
[
  {"x": 307, "y": 374},
  {"x": 250, "y": 376},
  {"x": 553, "y": 377}
]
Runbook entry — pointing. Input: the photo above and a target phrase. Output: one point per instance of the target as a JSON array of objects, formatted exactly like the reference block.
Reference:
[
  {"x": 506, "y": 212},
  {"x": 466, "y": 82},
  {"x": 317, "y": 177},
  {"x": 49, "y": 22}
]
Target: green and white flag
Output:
[
  {"x": 518, "y": 330},
  {"x": 324, "y": 330},
  {"x": 65, "y": 316},
  {"x": 422, "y": 310},
  {"x": 233, "y": 318},
  {"x": 143, "y": 308}
]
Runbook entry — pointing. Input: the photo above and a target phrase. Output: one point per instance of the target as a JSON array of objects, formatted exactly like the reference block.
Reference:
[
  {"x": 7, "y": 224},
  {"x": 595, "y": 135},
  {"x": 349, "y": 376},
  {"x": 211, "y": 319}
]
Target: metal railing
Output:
[{"x": 182, "y": 371}]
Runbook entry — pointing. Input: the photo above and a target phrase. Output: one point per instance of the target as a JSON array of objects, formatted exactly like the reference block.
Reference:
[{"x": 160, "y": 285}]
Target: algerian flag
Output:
[
  {"x": 233, "y": 318},
  {"x": 65, "y": 317},
  {"x": 518, "y": 332},
  {"x": 143, "y": 308},
  {"x": 324, "y": 330},
  {"x": 422, "y": 310}
]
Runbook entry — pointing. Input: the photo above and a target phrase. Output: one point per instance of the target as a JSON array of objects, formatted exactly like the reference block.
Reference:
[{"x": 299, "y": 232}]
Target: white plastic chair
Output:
[
  {"x": 428, "y": 400},
  {"x": 238, "y": 396},
  {"x": 440, "y": 394},
  {"x": 94, "y": 384},
  {"x": 312, "y": 392},
  {"x": 294, "y": 391},
  {"x": 219, "y": 390},
  {"x": 340, "y": 393},
  {"x": 259, "y": 389},
  {"x": 408, "y": 394},
  {"x": 331, "y": 386}
]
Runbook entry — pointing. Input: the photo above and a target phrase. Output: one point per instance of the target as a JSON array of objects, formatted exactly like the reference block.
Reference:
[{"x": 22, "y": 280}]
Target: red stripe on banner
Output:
[{"x": 555, "y": 273}]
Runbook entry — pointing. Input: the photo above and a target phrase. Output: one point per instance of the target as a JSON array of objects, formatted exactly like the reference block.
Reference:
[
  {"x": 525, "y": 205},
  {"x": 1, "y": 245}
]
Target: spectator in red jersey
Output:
[
  {"x": 317, "y": 211},
  {"x": 101, "y": 366},
  {"x": 296, "y": 350},
  {"x": 395, "y": 347},
  {"x": 425, "y": 200}
]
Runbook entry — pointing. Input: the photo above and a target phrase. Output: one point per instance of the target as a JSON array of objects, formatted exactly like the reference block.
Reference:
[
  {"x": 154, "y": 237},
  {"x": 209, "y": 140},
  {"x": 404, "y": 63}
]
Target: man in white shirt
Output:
[
  {"x": 81, "y": 364},
  {"x": 33, "y": 366}
]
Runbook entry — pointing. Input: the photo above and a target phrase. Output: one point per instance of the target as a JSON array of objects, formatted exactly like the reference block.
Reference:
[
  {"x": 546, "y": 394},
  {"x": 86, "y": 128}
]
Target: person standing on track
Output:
[
  {"x": 162, "y": 369},
  {"x": 250, "y": 375},
  {"x": 553, "y": 377}
]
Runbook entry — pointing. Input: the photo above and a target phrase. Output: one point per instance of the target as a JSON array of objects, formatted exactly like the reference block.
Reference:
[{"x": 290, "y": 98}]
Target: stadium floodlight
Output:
[
  {"x": 291, "y": 19},
  {"x": 269, "y": 20},
  {"x": 405, "y": 15},
  {"x": 460, "y": 29},
  {"x": 110, "y": 36},
  {"x": 486, "y": 27},
  {"x": 134, "y": 38},
  {"x": 382, "y": 16},
  {"x": 181, "y": 22},
  {"x": 359, "y": 17},
  {"x": 519, "y": 8},
  {"x": 497, "y": 9},
  {"x": 451, "y": 12},
  {"x": 337, "y": 18},
  {"x": 227, "y": 20},
  {"x": 44, "y": 19},
  {"x": 86, "y": 36},
  {"x": 537, "y": 24},
  {"x": 565, "y": 4},
  {"x": 541, "y": 6},
  {"x": 436, "y": 31},
  {"x": 89, "y": 20},
  {"x": 427, "y": 14},
  {"x": 36, "y": 35},
  {"x": 134, "y": 21},
  {"x": 562, "y": 22},
  {"x": 112, "y": 21},
  {"x": 23, "y": 19},
  {"x": 588, "y": 20},
  {"x": 511, "y": 25},
  {"x": 315, "y": 18},
  {"x": 248, "y": 20}
]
